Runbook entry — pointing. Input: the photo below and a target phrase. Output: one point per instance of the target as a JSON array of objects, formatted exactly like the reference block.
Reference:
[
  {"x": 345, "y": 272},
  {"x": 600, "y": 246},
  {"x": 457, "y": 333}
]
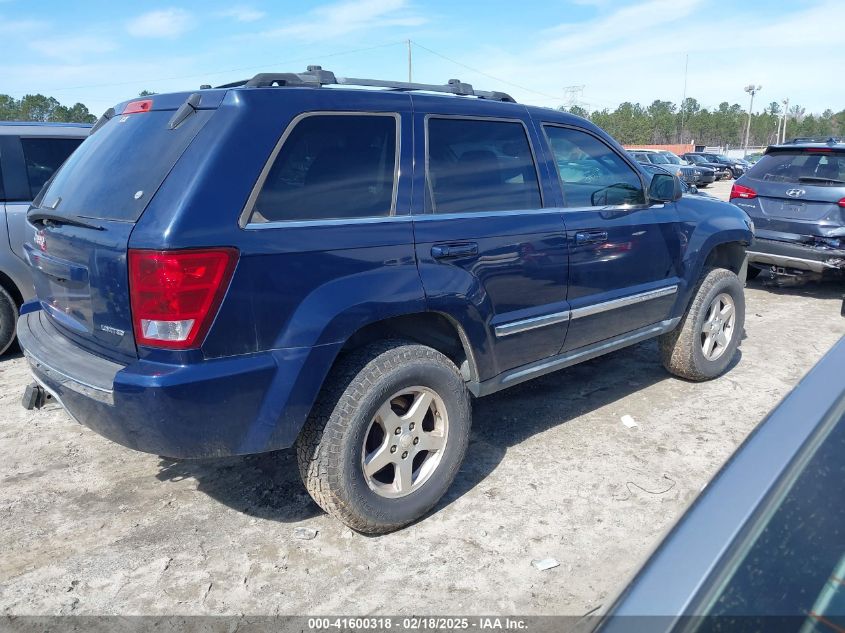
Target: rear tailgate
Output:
[
  {"x": 80, "y": 225},
  {"x": 798, "y": 191}
]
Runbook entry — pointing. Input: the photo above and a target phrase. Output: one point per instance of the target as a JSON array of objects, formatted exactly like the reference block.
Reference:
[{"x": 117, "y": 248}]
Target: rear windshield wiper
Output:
[
  {"x": 50, "y": 218},
  {"x": 820, "y": 179}
]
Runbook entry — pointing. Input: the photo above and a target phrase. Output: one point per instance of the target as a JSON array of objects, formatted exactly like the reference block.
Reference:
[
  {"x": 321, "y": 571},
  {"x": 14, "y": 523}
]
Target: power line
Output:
[
  {"x": 233, "y": 70},
  {"x": 488, "y": 75}
]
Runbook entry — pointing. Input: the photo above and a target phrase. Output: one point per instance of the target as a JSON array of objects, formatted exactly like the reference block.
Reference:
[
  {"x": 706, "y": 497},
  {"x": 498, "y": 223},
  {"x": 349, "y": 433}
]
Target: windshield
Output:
[
  {"x": 808, "y": 167},
  {"x": 658, "y": 159},
  {"x": 116, "y": 171},
  {"x": 675, "y": 160}
]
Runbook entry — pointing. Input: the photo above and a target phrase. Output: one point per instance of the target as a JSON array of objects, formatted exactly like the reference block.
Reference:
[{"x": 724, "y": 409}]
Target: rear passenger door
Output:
[
  {"x": 624, "y": 254},
  {"x": 489, "y": 254}
]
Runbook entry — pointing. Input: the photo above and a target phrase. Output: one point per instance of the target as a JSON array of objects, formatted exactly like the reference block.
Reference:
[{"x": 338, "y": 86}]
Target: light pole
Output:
[
  {"x": 752, "y": 90},
  {"x": 785, "y": 116}
]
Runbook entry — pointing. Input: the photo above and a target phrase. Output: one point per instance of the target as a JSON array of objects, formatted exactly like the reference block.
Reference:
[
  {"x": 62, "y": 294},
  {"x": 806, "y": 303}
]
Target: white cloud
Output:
[
  {"x": 342, "y": 18},
  {"x": 164, "y": 23},
  {"x": 637, "y": 53},
  {"x": 242, "y": 13},
  {"x": 72, "y": 48},
  {"x": 19, "y": 27}
]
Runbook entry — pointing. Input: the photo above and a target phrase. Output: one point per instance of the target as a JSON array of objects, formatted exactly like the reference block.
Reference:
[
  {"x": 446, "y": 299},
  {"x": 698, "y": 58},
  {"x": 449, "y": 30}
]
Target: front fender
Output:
[{"x": 707, "y": 223}]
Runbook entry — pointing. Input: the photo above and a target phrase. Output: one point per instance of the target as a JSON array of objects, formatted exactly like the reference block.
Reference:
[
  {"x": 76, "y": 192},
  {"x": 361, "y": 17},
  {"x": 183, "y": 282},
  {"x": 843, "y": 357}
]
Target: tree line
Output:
[
  {"x": 663, "y": 122},
  {"x": 41, "y": 108},
  {"x": 630, "y": 123}
]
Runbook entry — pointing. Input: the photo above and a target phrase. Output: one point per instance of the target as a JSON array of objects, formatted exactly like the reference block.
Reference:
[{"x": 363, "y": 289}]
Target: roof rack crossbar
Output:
[{"x": 316, "y": 77}]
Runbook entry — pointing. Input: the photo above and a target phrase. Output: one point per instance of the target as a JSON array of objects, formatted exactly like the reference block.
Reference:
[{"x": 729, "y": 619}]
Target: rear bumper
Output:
[
  {"x": 228, "y": 406},
  {"x": 816, "y": 259}
]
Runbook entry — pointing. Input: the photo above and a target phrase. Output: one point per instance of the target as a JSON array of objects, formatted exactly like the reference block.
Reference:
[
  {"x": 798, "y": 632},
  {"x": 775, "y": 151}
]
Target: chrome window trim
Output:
[
  {"x": 637, "y": 172},
  {"x": 470, "y": 117},
  {"x": 244, "y": 222},
  {"x": 613, "y": 304},
  {"x": 523, "y": 325}
]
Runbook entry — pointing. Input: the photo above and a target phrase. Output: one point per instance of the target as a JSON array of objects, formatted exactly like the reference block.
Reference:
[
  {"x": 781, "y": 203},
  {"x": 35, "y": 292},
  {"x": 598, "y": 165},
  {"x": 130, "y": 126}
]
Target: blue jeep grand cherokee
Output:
[{"x": 276, "y": 262}]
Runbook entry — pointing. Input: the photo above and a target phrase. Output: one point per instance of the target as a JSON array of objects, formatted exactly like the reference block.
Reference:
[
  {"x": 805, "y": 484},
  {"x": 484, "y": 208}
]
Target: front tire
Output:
[
  {"x": 386, "y": 436},
  {"x": 705, "y": 342}
]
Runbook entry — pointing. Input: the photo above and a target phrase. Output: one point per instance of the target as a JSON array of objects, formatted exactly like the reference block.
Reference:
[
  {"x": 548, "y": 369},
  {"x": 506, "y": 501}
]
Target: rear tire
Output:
[
  {"x": 705, "y": 342},
  {"x": 354, "y": 463},
  {"x": 8, "y": 320}
]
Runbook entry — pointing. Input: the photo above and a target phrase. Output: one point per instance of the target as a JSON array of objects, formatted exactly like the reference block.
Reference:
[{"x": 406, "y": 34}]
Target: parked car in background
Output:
[
  {"x": 761, "y": 548},
  {"x": 30, "y": 153},
  {"x": 684, "y": 172},
  {"x": 348, "y": 278},
  {"x": 721, "y": 170},
  {"x": 705, "y": 175},
  {"x": 735, "y": 166},
  {"x": 687, "y": 189},
  {"x": 753, "y": 158},
  {"x": 796, "y": 196}
]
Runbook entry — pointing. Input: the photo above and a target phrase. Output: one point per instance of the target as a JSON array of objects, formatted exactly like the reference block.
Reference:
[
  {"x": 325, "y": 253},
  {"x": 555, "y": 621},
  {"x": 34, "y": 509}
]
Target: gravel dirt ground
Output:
[{"x": 88, "y": 527}]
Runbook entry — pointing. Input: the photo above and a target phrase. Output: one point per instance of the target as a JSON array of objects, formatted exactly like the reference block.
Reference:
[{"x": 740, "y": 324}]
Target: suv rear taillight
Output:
[
  {"x": 841, "y": 203},
  {"x": 740, "y": 191},
  {"x": 175, "y": 294}
]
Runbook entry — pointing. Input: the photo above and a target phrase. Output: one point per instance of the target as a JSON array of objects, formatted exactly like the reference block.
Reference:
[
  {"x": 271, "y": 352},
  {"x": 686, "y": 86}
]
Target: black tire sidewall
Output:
[
  {"x": 729, "y": 285},
  {"x": 8, "y": 320},
  {"x": 444, "y": 381}
]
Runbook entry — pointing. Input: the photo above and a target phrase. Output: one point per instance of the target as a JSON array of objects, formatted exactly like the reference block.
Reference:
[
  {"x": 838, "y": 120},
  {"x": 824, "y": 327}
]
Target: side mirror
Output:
[{"x": 664, "y": 188}]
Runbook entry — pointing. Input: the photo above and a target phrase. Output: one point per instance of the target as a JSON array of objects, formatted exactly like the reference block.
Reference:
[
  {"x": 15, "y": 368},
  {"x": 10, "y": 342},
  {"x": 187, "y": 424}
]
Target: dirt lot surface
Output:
[{"x": 87, "y": 526}]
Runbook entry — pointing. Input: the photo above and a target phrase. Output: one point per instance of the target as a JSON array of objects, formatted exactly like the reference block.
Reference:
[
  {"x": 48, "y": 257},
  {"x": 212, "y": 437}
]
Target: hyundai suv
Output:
[
  {"x": 796, "y": 196},
  {"x": 29, "y": 155},
  {"x": 344, "y": 269}
]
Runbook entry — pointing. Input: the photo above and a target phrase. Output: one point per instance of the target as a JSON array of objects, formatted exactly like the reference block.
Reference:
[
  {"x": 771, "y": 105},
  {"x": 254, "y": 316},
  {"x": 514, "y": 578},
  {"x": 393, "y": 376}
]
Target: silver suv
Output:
[{"x": 29, "y": 155}]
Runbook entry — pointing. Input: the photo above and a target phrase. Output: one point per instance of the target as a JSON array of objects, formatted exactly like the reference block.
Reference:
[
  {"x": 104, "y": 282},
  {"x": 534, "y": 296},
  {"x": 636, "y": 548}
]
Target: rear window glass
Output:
[
  {"x": 331, "y": 167},
  {"x": 476, "y": 165},
  {"x": 43, "y": 156},
  {"x": 814, "y": 168},
  {"x": 116, "y": 171}
]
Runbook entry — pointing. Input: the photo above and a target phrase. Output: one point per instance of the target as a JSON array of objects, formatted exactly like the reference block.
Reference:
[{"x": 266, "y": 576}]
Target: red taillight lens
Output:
[
  {"x": 175, "y": 294},
  {"x": 841, "y": 203},
  {"x": 739, "y": 191},
  {"x": 134, "y": 107}
]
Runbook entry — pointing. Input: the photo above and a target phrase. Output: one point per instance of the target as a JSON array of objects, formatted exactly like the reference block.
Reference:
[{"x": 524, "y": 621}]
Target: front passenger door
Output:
[{"x": 623, "y": 254}]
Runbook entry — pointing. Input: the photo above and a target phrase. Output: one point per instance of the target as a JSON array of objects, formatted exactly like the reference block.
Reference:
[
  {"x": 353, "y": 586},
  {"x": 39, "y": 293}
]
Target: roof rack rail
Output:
[
  {"x": 830, "y": 140},
  {"x": 316, "y": 77}
]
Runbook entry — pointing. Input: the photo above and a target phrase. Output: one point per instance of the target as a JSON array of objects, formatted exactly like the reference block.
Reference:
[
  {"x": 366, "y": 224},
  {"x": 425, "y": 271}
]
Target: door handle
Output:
[
  {"x": 590, "y": 237},
  {"x": 447, "y": 251}
]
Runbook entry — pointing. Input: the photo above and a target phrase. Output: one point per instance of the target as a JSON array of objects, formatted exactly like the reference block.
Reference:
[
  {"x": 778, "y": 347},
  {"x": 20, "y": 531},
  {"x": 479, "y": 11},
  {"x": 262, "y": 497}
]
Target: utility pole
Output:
[
  {"x": 785, "y": 102},
  {"x": 752, "y": 90},
  {"x": 684, "y": 100},
  {"x": 410, "y": 75},
  {"x": 572, "y": 95}
]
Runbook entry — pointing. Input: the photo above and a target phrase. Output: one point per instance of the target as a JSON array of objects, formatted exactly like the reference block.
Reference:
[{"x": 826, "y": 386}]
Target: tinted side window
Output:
[
  {"x": 43, "y": 157},
  {"x": 477, "y": 165},
  {"x": 592, "y": 174},
  {"x": 331, "y": 166}
]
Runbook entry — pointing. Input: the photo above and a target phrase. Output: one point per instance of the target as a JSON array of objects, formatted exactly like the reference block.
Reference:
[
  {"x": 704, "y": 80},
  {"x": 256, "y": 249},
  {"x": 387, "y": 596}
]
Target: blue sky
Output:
[{"x": 100, "y": 52}]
